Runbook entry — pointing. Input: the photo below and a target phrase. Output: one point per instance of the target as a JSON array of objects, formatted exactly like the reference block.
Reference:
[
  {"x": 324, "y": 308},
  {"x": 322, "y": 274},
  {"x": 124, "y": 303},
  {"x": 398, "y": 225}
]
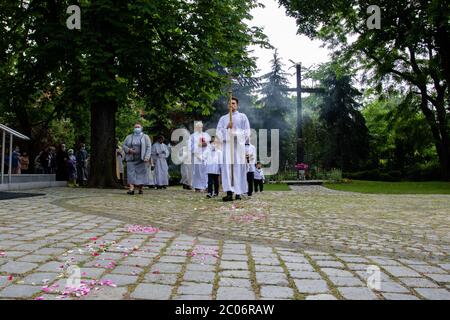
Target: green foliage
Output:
[{"x": 409, "y": 53}]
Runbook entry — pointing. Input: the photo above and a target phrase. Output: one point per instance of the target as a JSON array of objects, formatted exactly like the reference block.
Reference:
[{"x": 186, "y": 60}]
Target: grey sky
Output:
[{"x": 282, "y": 33}]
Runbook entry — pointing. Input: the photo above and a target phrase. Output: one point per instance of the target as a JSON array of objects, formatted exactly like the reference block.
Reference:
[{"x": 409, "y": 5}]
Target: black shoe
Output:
[
  {"x": 249, "y": 194},
  {"x": 131, "y": 192},
  {"x": 164, "y": 187},
  {"x": 209, "y": 195},
  {"x": 227, "y": 198},
  {"x": 238, "y": 197},
  {"x": 141, "y": 192}
]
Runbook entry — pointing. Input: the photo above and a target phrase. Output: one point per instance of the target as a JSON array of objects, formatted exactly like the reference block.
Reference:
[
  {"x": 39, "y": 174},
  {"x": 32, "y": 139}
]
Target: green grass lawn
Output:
[{"x": 431, "y": 187}]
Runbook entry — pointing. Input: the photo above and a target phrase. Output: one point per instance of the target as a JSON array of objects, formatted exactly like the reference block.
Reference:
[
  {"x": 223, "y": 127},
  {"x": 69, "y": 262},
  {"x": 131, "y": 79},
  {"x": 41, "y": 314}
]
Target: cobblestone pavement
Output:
[{"x": 308, "y": 243}]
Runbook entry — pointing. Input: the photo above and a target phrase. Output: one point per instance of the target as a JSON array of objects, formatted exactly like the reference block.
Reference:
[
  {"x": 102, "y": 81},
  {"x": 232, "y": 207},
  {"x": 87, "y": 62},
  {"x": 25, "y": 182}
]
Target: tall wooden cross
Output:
[{"x": 299, "y": 90}]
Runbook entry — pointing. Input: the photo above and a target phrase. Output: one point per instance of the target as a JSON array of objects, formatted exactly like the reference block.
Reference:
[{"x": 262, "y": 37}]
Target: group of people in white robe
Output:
[
  {"x": 228, "y": 155},
  {"x": 204, "y": 159}
]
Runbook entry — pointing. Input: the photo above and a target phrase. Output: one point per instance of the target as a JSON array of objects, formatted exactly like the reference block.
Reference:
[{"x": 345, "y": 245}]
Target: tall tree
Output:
[
  {"x": 275, "y": 103},
  {"x": 165, "y": 52},
  {"x": 411, "y": 49},
  {"x": 347, "y": 138}
]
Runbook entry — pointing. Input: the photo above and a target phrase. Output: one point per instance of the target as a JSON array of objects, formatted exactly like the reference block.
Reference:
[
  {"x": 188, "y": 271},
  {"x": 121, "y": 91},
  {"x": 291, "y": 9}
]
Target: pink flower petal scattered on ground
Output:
[
  {"x": 142, "y": 229},
  {"x": 10, "y": 278},
  {"x": 2, "y": 253},
  {"x": 93, "y": 238},
  {"x": 156, "y": 272},
  {"x": 83, "y": 290},
  {"x": 39, "y": 298}
]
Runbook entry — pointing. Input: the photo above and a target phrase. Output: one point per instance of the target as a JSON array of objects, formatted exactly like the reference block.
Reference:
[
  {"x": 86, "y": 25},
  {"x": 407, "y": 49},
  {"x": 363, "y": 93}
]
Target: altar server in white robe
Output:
[
  {"x": 233, "y": 137},
  {"x": 160, "y": 153},
  {"x": 199, "y": 146}
]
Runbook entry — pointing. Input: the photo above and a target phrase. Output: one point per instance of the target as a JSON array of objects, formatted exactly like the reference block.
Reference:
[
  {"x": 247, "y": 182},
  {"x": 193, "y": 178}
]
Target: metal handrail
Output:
[{"x": 12, "y": 133}]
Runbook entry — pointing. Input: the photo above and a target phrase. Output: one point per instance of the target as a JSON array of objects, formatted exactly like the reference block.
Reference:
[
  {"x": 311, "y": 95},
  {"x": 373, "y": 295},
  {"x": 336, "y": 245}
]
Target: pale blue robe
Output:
[
  {"x": 160, "y": 153},
  {"x": 240, "y": 132}
]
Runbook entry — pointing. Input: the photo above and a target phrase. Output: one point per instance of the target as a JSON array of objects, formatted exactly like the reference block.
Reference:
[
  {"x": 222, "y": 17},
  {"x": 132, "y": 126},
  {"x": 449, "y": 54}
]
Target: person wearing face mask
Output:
[
  {"x": 61, "y": 163},
  {"x": 137, "y": 148}
]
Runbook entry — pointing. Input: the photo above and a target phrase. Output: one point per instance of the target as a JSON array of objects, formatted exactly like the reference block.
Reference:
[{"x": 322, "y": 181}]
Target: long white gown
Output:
[
  {"x": 185, "y": 167},
  {"x": 160, "y": 153},
  {"x": 240, "y": 132},
  {"x": 199, "y": 174}
]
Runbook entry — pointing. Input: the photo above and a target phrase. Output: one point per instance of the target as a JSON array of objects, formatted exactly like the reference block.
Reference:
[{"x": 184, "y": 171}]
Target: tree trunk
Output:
[{"x": 103, "y": 155}]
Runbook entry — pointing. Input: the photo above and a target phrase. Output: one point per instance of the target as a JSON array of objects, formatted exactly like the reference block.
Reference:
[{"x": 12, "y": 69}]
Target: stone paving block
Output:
[
  {"x": 311, "y": 286},
  {"x": 192, "y": 297},
  {"x": 234, "y": 265},
  {"x": 277, "y": 292},
  {"x": 107, "y": 293},
  {"x": 328, "y": 263},
  {"x": 120, "y": 279},
  {"x": 234, "y": 293},
  {"x": 357, "y": 266},
  {"x": 234, "y": 257},
  {"x": 354, "y": 260},
  {"x": 266, "y": 268},
  {"x": 162, "y": 278},
  {"x": 19, "y": 291},
  {"x": 49, "y": 251},
  {"x": 357, "y": 293},
  {"x": 53, "y": 266},
  {"x": 389, "y": 286},
  {"x": 279, "y": 279},
  {"x": 234, "y": 282},
  {"x": 172, "y": 259},
  {"x": 199, "y": 276},
  {"x": 331, "y": 272},
  {"x": 40, "y": 278},
  {"x": 397, "y": 271},
  {"x": 200, "y": 267},
  {"x": 152, "y": 292},
  {"x": 195, "y": 288},
  {"x": 445, "y": 266},
  {"x": 16, "y": 267},
  {"x": 384, "y": 261},
  {"x": 34, "y": 258},
  {"x": 166, "y": 268},
  {"x": 321, "y": 297},
  {"x": 136, "y": 262},
  {"x": 418, "y": 283},
  {"x": 346, "y": 281},
  {"x": 128, "y": 270},
  {"x": 305, "y": 275},
  {"x": 294, "y": 259},
  {"x": 428, "y": 269},
  {"x": 441, "y": 278},
  {"x": 235, "y": 274},
  {"x": 434, "y": 293},
  {"x": 299, "y": 266},
  {"x": 399, "y": 296}
]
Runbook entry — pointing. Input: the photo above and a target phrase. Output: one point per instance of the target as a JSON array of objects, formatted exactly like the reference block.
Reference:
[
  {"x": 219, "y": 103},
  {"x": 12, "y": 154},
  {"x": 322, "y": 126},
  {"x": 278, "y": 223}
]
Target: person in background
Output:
[
  {"x": 38, "y": 168},
  {"x": 119, "y": 162},
  {"x": 15, "y": 164},
  {"x": 138, "y": 148},
  {"x": 24, "y": 161},
  {"x": 160, "y": 153},
  {"x": 199, "y": 145},
  {"x": 185, "y": 168},
  {"x": 151, "y": 175},
  {"x": 82, "y": 163},
  {"x": 61, "y": 163},
  {"x": 259, "y": 177},
  {"x": 72, "y": 169}
]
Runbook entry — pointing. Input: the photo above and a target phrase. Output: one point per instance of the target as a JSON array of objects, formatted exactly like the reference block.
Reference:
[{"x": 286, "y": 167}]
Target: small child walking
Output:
[
  {"x": 259, "y": 177},
  {"x": 213, "y": 168}
]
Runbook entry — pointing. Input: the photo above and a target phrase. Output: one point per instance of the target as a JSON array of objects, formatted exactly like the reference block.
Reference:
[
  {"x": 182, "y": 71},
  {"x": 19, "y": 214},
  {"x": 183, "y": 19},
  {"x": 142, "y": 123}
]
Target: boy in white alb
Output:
[{"x": 213, "y": 168}]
